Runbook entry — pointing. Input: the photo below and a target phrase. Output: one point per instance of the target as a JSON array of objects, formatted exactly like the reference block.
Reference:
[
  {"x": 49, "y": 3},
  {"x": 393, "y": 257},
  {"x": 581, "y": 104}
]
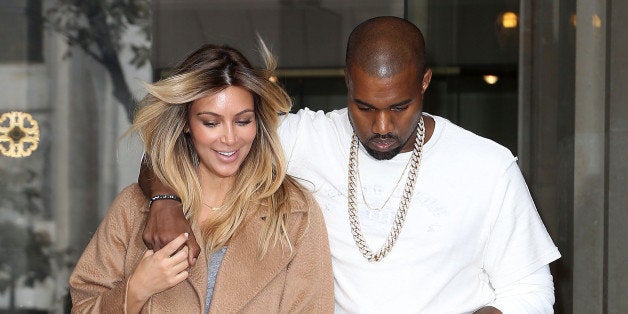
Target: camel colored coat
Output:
[{"x": 283, "y": 281}]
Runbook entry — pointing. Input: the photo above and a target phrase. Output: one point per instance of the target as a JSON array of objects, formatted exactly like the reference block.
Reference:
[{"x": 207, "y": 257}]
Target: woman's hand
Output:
[{"x": 157, "y": 272}]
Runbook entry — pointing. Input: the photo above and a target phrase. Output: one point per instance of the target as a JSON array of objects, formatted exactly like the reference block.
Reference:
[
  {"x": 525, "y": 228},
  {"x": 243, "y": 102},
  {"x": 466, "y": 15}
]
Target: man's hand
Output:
[
  {"x": 165, "y": 220},
  {"x": 165, "y": 223},
  {"x": 488, "y": 310}
]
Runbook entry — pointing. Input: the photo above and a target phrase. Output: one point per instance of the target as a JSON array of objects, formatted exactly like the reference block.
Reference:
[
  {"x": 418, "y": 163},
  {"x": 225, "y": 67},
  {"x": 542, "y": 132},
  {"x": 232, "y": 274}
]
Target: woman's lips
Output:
[{"x": 227, "y": 156}]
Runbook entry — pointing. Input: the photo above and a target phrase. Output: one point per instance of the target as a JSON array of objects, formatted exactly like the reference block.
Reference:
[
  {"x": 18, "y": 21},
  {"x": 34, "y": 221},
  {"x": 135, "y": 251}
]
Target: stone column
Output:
[
  {"x": 590, "y": 172},
  {"x": 616, "y": 148},
  {"x": 573, "y": 138}
]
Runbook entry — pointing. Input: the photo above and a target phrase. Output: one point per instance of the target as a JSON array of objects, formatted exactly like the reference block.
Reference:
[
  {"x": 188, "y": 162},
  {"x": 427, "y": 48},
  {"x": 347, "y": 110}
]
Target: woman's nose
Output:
[{"x": 229, "y": 136}]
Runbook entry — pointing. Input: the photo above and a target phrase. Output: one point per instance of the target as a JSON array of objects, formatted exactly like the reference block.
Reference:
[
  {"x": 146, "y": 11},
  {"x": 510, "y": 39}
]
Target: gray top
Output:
[{"x": 213, "y": 265}]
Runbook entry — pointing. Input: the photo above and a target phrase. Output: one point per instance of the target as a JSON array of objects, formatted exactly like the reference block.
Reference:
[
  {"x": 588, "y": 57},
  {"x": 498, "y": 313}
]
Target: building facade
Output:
[{"x": 543, "y": 78}]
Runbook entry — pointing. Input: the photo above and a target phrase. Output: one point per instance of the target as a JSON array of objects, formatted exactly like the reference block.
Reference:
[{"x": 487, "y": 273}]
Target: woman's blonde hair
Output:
[{"x": 163, "y": 115}]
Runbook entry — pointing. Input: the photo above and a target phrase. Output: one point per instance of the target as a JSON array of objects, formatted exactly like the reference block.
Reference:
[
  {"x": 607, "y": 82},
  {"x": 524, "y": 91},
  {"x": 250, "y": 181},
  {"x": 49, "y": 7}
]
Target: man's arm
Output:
[
  {"x": 519, "y": 249},
  {"x": 532, "y": 294},
  {"x": 165, "y": 220}
]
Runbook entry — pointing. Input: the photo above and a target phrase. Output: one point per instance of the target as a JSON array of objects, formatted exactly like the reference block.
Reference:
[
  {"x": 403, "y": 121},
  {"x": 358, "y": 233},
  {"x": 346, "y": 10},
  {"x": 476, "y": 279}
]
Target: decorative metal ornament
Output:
[
  {"x": 19, "y": 134},
  {"x": 402, "y": 210}
]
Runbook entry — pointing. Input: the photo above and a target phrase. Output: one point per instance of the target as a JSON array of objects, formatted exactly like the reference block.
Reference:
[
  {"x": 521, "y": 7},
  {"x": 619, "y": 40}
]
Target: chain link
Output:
[{"x": 400, "y": 217}]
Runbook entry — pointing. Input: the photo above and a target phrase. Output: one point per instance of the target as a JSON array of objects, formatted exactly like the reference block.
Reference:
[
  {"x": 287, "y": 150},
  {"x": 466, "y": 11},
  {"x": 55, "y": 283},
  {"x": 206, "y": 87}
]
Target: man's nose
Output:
[{"x": 383, "y": 123}]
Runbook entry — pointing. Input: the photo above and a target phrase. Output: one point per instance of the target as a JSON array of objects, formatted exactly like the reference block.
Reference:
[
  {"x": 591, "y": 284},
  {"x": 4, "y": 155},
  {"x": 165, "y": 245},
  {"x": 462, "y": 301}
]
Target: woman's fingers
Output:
[
  {"x": 179, "y": 255},
  {"x": 163, "y": 269},
  {"x": 177, "y": 261},
  {"x": 180, "y": 277},
  {"x": 173, "y": 246},
  {"x": 181, "y": 266}
]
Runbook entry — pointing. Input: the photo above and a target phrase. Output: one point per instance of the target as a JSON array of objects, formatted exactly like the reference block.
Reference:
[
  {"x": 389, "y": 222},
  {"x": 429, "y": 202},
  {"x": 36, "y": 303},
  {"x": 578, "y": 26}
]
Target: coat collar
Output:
[{"x": 242, "y": 273}]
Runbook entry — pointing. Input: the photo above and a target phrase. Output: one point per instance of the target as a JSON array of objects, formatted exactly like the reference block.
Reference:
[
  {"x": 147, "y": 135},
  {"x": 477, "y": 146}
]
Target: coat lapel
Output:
[
  {"x": 242, "y": 272},
  {"x": 197, "y": 276}
]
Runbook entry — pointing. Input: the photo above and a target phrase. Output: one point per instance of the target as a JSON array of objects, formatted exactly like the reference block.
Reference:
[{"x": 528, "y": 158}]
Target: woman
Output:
[{"x": 209, "y": 132}]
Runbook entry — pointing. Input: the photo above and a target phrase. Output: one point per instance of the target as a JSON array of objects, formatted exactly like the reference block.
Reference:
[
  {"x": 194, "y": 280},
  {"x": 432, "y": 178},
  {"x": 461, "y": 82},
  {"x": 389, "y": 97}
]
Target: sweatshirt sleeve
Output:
[
  {"x": 519, "y": 250},
  {"x": 98, "y": 282},
  {"x": 532, "y": 294}
]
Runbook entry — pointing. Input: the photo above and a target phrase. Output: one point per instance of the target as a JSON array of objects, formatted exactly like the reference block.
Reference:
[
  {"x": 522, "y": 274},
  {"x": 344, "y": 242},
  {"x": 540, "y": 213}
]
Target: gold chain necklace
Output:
[
  {"x": 212, "y": 207},
  {"x": 400, "y": 217},
  {"x": 391, "y": 193}
]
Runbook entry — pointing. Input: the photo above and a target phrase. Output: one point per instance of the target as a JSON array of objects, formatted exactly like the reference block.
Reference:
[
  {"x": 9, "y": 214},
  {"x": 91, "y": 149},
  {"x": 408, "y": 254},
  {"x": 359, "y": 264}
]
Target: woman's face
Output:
[{"x": 222, "y": 127}]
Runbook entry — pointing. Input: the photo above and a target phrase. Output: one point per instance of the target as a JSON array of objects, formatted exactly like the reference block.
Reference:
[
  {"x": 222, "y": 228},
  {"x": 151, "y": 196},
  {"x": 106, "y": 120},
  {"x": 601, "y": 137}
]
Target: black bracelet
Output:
[{"x": 163, "y": 197}]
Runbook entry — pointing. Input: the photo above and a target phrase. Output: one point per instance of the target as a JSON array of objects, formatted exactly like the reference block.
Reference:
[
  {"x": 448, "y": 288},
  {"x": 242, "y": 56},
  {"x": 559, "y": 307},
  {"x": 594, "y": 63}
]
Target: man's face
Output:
[{"x": 384, "y": 112}]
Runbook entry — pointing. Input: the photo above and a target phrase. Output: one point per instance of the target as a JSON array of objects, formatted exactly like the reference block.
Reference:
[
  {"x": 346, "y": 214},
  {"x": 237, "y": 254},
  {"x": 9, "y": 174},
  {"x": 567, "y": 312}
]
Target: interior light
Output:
[
  {"x": 273, "y": 79},
  {"x": 491, "y": 79},
  {"x": 596, "y": 21},
  {"x": 509, "y": 20}
]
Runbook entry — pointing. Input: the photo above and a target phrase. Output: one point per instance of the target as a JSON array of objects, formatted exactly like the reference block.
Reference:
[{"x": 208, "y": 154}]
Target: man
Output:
[{"x": 422, "y": 215}]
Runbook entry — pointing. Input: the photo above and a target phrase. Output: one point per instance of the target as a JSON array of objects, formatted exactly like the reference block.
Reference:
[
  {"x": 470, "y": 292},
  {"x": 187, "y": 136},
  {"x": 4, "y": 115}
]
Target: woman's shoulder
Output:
[
  {"x": 133, "y": 195},
  {"x": 306, "y": 219},
  {"x": 130, "y": 202},
  {"x": 301, "y": 200}
]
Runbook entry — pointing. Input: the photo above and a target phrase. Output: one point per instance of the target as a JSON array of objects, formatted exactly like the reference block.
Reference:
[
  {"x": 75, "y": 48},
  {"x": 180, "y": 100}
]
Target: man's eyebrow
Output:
[
  {"x": 363, "y": 103},
  {"x": 401, "y": 103}
]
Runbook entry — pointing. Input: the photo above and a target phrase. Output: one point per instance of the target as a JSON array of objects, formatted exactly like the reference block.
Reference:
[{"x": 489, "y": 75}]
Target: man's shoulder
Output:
[
  {"x": 461, "y": 138},
  {"x": 464, "y": 147},
  {"x": 315, "y": 125},
  {"x": 338, "y": 115}
]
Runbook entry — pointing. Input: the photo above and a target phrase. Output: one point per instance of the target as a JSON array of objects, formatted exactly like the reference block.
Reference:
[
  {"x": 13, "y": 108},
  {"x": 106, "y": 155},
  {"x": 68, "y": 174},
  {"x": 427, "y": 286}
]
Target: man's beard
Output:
[
  {"x": 383, "y": 155},
  {"x": 387, "y": 155}
]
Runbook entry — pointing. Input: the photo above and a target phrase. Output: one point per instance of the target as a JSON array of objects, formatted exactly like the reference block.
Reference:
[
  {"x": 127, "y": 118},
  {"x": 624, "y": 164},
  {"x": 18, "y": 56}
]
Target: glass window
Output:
[
  {"x": 308, "y": 38},
  {"x": 21, "y": 35},
  {"x": 472, "y": 48}
]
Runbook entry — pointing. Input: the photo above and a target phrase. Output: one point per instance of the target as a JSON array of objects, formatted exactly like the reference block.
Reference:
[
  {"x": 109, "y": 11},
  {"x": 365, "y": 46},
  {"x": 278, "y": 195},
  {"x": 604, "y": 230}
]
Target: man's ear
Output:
[
  {"x": 427, "y": 78},
  {"x": 346, "y": 78}
]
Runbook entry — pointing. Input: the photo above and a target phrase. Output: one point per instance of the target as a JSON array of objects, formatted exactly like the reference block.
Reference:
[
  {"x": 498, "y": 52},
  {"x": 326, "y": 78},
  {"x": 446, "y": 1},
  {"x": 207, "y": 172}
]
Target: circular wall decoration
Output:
[{"x": 19, "y": 134}]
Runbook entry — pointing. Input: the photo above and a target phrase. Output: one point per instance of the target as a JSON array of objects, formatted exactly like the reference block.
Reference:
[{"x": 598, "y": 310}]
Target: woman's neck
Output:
[
  {"x": 215, "y": 189},
  {"x": 214, "y": 193}
]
